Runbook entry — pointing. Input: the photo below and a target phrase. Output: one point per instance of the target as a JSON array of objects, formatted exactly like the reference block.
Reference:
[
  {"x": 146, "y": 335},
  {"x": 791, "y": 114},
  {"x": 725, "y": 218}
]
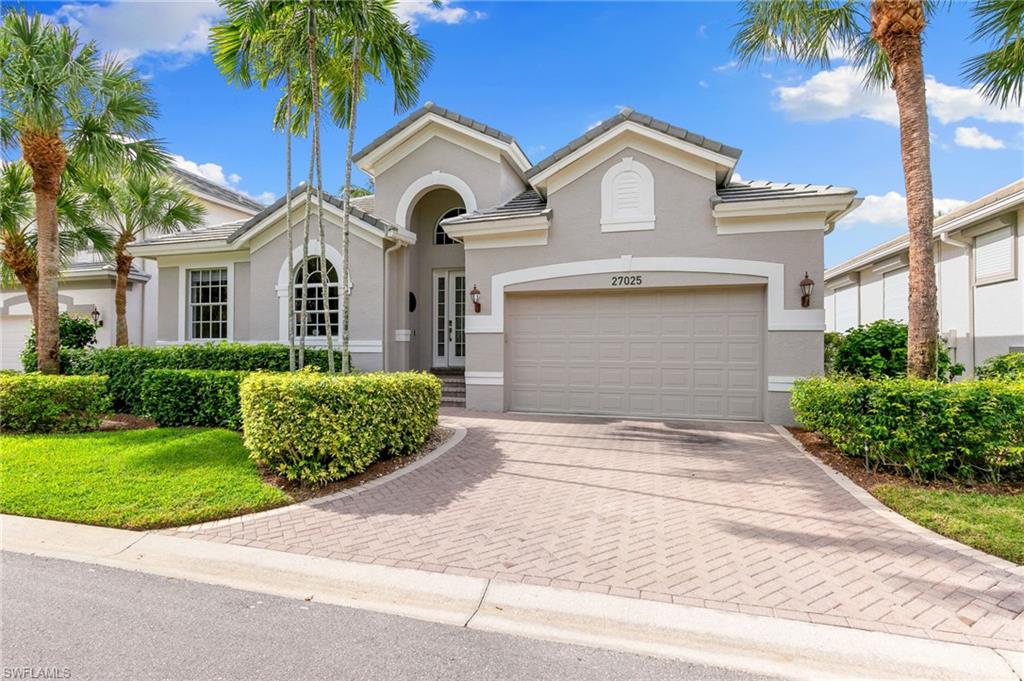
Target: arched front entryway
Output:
[{"x": 437, "y": 268}]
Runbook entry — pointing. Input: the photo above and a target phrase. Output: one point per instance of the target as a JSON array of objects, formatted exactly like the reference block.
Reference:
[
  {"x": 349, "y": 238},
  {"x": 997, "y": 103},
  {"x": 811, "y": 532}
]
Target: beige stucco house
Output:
[
  {"x": 625, "y": 274},
  {"x": 978, "y": 250}
]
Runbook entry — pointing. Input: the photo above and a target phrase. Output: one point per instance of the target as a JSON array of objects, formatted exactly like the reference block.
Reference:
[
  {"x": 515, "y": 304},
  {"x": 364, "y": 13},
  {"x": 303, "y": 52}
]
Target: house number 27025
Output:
[{"x": 627, "y": 280}]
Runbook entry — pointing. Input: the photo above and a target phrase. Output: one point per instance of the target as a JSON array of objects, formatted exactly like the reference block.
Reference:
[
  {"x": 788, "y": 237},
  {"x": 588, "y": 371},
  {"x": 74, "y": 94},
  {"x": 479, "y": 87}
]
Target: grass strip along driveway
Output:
[
  {"x": 993, "y": 523},
  {"x": 135, "y": 479}
]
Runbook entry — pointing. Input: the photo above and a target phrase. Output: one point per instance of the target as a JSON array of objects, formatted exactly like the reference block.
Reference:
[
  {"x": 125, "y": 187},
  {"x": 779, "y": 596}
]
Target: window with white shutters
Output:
[
  {"x": 847, "y": 308},
  {"x": 993, "y": 256},
  {"x": 896, "y": 291}
]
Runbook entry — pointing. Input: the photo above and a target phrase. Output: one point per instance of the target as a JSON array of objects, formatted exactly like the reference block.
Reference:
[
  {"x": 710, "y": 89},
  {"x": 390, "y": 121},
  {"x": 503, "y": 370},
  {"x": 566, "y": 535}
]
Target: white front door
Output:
[{"x": 449, "y": 338}]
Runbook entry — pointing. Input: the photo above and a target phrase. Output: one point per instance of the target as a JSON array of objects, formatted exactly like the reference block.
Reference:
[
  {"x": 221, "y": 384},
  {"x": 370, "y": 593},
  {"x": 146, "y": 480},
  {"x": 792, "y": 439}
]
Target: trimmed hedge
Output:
[
  {"x": 126, "y": 365},
  {"x": 878, "y": 350},
  {"x": 192, "y": 397},
  {"x": 315, "y": 428},
  {"x": 37, "y": 403},
  {"x": 924, "y": 429},
  {"x": 1008, "y": 367}
]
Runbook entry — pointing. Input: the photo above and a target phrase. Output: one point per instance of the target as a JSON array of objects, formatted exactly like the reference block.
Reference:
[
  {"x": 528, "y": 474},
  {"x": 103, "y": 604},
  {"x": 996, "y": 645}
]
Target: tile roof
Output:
[
  {"x": 527, "y": 203},
  {"x": 201, "y": 184},
  {"x": 353, "y": 210},
  {"x": 628, "y": 115},
  {"x": 219, "y": 232},
  {"x": 428, "y": 108},
  {"x": 763, "y": 190}
]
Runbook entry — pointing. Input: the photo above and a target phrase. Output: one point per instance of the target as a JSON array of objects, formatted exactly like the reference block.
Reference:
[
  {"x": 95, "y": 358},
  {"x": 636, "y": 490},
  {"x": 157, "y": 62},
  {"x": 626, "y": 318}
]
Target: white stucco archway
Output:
[{"x": 430, "y": 181}]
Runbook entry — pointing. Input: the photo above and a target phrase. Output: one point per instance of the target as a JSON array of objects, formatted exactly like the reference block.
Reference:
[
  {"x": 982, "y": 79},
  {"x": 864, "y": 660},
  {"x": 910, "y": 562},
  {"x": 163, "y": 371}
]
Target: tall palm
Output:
[
  {"x": 375, "y": 44},
  {"x": 61, "y": 102},
  {"x": 133, "y": 203},
  {"x": 251, "y": 46},
  {"x": 78, "y": 230},
  {"x": 884, "y": 39}
]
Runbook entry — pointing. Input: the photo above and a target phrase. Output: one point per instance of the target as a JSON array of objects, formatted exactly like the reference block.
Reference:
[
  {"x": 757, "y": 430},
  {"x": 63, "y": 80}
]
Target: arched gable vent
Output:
[{"x": 627, "y": 197}]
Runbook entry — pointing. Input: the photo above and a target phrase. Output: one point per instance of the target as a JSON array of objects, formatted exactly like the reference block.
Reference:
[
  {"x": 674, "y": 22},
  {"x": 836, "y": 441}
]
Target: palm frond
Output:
[{"x": 999, "y": 71}]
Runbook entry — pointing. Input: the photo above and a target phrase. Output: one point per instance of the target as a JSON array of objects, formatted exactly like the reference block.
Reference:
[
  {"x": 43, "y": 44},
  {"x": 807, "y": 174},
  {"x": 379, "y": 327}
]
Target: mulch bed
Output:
[
  {"x": 126, "y": 422},
  {"x": 300, "y": 492},
  {"x": 853, "y": 468}
]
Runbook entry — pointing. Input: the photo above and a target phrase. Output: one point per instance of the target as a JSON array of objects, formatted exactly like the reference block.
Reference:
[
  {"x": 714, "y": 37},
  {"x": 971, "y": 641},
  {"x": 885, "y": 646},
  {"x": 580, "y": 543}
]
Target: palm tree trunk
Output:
[
  {"x": 897, "y": 26},
  {"x": 346, "y": 358},
  {"x": 324, "y": 284},
  {"x": 303, "y": 297},
  {"x": 288, "y": 221},
  {"x": 22, "y": 261},
  {"x": 123, "y": 265},
  {"x": 46, "y": 156}
]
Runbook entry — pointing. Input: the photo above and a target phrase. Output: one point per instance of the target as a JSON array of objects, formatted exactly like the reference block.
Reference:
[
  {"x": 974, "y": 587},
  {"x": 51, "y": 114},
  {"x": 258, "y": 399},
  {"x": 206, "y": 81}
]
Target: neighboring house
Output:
[
  {"x": 978, "y": 251},
  {"x": 88, "y": 282},
  {"x": 625, "y": 274}
]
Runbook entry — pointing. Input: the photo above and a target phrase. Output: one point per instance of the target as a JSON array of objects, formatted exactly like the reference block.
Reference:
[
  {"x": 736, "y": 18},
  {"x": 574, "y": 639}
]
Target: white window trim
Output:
[
  {"x": 427, "y": 182},
  {"x": 184, "y": 297},
  {"x": 645, "y": 221},
  {"x": 284, "y": 280},
  {"x": 1010, "y": 275}
]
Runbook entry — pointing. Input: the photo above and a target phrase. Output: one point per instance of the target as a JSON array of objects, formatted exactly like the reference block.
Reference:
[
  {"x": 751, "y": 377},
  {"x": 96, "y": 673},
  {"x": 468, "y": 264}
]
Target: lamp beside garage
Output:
[
  {"x": 96, "y": 318},
  {"x": 474, "y": 295},
  {"x": 806, "y": 286}
]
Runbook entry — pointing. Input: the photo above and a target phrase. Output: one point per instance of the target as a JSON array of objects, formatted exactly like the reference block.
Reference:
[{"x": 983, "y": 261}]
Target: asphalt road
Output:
[{"x": 78, "y": 621}]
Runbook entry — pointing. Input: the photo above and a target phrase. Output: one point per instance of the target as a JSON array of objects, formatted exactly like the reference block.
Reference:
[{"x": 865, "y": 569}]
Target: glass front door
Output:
[{"x": 449, "y": 339}]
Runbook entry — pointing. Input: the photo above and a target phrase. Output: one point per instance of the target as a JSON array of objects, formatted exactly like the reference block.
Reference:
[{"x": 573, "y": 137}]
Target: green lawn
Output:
[
  {"x": 991, "y": 523},
  {"x": 135, "y": 479}
]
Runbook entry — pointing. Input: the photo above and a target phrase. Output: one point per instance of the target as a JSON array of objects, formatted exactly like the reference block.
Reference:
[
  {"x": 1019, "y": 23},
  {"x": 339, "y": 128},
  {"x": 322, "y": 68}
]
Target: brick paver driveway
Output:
[{"x": 728, "y": 516}]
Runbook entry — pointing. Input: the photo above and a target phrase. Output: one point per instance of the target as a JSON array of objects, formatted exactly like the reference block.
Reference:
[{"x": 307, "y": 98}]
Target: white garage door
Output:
[
  {"x": 675, "y": 353},
  {"x": 14, "y": 332}
]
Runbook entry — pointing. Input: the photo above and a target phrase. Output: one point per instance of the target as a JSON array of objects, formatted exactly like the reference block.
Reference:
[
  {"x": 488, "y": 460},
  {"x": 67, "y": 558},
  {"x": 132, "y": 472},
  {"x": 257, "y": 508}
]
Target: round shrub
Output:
[
  {"x": 315, "y": 428},
  {"x": 924, "y": 429},
  {"x": 1008, "y": 367},
  {"x": 37, "y": 403},
  {"x": 75, "y": 333},
  {"x": 879, "y": 349}
]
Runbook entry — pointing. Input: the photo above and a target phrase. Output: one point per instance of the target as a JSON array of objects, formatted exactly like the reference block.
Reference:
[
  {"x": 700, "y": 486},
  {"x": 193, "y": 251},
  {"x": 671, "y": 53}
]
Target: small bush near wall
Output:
[
  {"x": 924, "y": 429},
  {"x": 1009, "y": 367},
  {"x": 126, "y": 365},
  {"x": 75, "y": 332},
  {"x": 192, "y": 397},
  {"x": 880, "y": 349},
  {"x": 35, "y": 403},
  {"x": 833, "y": 340},
  {"x": 315, "y": 428}
]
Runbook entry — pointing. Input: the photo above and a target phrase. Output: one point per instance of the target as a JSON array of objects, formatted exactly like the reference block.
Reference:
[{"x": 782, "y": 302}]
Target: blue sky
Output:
[{"x": 545, "y": 71}]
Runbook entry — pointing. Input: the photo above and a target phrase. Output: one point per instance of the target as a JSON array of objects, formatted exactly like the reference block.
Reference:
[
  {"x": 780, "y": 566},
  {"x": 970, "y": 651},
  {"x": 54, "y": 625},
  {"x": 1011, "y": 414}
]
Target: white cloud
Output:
[
  {"x": 839, "y": 93},
  {"x": 728, "y": 66},
  {"x": 214, "y": 172},
  {"x": 129, "y": 30},
  {"x": 703, "y": 84},
  {"x": 736, "y": 177},
  {"x": 972, "y": 138},
  {"x": 891, "y": 209},
  {"x": 416, "y": 11}
]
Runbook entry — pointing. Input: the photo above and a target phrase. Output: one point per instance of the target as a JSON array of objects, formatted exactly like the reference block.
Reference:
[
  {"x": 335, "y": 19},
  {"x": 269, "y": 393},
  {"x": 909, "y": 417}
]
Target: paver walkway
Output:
[{"x": 728, "y": 516}]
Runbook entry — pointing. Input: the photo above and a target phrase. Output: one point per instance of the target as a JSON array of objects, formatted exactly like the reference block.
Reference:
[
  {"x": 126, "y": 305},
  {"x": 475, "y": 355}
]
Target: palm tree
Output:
[
  {"x": 250, "y": 46},
  {"x": 62, "y": 102},
  {"x": 884, "y": 39},
  {"x": 78, "y": 230},
  {"x": 133, "y": 204},
  {"x": 375, "y": 43}
]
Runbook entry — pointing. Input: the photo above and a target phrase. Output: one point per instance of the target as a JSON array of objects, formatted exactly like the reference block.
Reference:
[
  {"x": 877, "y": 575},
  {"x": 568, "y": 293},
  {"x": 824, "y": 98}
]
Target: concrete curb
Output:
[
  {"x": 445, "y": 447},
  {"x": 873, "y": 504},
  {"x": 749, "y": 642}
]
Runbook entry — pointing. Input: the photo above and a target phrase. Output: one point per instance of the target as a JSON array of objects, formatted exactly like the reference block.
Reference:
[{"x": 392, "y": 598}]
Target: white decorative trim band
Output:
[
  {"x": 403, "y": 335},
  {"x": 430, "y": 181},
  {"x": 779, "y": 317},
  {"x": 782, "y": 384},
  {"x": 485, "y": 378}
]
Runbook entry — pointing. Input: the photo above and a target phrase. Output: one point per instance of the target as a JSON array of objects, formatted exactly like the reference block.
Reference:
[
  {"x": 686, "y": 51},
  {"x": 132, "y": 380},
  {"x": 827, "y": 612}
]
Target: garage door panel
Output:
[{"x": 687, "y": 353}]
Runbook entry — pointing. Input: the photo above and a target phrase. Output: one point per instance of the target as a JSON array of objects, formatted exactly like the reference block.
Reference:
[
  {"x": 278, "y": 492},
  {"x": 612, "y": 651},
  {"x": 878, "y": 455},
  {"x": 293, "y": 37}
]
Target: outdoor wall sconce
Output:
[
  {"x": 474, "y": 295},
  {"x": 95, "y": 314},
  {"x": 806, "y": 286},
  {"x": 349, "y": 286}
]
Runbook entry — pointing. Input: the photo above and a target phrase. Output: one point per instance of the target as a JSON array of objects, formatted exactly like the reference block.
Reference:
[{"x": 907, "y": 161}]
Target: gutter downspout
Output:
[
  {"x": 956, "y": 243},
  {"x": 384, "y": 335}
]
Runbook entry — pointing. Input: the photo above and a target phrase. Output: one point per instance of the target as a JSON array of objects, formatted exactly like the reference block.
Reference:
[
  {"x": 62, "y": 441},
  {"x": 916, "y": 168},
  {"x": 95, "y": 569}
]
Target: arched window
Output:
[
  {"x": 627, "y": 197},
  {"x": 440, "y": 236},
  {"x": 316, "y": 311}
]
